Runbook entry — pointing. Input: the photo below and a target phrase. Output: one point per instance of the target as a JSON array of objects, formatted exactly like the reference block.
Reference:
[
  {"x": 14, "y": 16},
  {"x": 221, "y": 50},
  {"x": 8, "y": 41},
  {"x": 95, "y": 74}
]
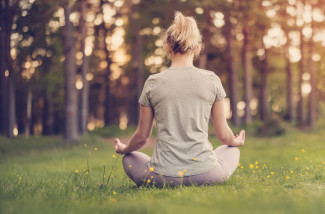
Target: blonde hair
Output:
[{"x": 183, "y": 36}]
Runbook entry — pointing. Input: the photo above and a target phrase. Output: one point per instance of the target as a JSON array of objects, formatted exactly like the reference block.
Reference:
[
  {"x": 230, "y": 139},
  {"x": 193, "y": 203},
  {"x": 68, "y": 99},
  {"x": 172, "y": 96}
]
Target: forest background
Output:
[{"x": 67, "y": 67}]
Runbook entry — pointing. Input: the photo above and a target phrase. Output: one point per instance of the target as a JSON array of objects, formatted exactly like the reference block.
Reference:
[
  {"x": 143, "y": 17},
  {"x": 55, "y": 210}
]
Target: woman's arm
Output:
[
  {"x": 223, "y": 132},
  {"x": 141, "y": 135}
]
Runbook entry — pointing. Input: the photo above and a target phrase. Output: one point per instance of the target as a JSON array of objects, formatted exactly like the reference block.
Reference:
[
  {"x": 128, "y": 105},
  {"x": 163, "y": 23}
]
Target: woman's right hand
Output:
[{"x": 240, "y": 138}]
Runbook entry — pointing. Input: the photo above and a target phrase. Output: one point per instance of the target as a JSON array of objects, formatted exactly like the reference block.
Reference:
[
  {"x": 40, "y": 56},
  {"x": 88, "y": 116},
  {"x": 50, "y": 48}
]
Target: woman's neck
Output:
[{"x": 182, "y": 60}]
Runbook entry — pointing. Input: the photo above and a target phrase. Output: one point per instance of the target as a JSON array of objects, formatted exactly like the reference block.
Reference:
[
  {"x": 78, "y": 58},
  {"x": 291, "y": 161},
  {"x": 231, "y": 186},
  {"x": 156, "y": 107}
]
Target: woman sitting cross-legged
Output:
[{"x": 181, "y": 99}]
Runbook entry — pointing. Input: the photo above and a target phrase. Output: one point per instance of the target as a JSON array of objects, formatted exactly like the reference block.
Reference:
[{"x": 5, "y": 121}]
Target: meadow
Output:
[{"x": 284, "y": 174}]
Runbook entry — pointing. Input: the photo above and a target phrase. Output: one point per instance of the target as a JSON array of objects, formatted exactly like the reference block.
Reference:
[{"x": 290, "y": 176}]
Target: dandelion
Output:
[
  {"x": 296, "y": 158},
  {"x": 130, "y": 166},
  {"x": 268, "y": 176},
  {"x": 256, "y": 167},
  {"x": 194, "y": 159},
  {"x": 302, "y": 150},
  {"x": 148, "y": 181},
  {"x": 287, "y": 177},
  {"x": 180, "y": 174},
  {"x": 256, "y": 162},
  {"x": 291, "y": 171},
  {"x": 76, "y": 171},
  {"x": 241, "y": 167},
  {"x": 184, "y": 170},
  {"x": 251, "y": 166},
  {"x": 95, "y": 148},
  {"x": 272, "y": 173},
  {"x": 114, "y": 156},
  {"x": 114, "y": 193},
  {"x": 151, "y": 169},
  {"x": 86, "y": 173}
]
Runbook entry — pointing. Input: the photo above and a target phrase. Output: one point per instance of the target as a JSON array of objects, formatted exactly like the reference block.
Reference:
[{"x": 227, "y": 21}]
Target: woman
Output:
[{"x": 182, "y": 98}]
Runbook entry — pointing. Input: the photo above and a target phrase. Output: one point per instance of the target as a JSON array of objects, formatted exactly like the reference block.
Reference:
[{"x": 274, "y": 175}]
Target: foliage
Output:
[{"x": 270, "y": 127}]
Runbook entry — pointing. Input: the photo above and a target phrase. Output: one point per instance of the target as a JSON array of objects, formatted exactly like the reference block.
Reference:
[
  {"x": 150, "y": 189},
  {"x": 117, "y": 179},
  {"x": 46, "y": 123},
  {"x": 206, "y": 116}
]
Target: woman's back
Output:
[{"x": 182, "y": 99}]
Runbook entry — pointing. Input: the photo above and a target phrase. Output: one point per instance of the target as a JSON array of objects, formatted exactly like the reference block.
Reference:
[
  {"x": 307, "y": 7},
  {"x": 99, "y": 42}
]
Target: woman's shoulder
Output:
[{"x": 209, "y": 74}]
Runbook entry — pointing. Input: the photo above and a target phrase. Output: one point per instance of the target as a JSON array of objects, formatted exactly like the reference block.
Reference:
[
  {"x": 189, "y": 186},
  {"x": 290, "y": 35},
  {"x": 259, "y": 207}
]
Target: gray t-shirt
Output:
[{"x": 182, "y": 99}]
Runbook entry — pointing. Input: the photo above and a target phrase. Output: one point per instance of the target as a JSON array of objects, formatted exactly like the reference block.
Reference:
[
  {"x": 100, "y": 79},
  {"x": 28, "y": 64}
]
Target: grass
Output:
[{"x": 276, "y": 175}]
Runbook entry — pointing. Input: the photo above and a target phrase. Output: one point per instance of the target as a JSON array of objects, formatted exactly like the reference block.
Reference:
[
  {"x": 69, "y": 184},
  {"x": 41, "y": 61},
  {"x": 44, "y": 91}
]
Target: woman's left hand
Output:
[{"x": 119, "y": 147}]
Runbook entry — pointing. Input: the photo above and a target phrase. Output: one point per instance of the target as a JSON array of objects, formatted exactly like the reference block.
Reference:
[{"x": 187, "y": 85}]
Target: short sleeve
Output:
[
  {"x": 145, "y": 95},
  {"x": 220, "y": 91}
]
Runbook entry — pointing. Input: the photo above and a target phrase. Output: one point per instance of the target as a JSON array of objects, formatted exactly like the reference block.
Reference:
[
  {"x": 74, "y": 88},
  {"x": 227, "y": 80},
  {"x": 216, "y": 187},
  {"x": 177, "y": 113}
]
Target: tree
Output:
[
  {"x": 84, "y": 97},
  {"x": 71, "y": 104},
  {"x": 232, "y": 74}
]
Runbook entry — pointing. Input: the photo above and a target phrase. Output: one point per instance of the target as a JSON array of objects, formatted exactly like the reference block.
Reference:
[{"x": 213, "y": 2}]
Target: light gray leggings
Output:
[{"x": 135, "y": 166}]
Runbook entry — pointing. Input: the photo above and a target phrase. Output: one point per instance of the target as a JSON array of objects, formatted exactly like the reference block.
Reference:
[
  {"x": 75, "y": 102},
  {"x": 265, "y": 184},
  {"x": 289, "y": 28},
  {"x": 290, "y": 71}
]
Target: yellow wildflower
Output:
[
  {"x": 254, "y": 171},
  {"x": 287, "y": 177},
  {"x": 291, "y": 171},
  {"x": 296, "y": 158},
  {"x": 114, "y": 156},
  {"x": 151, "y": 169},
  {"x": 256, "y": 162},
  {"x": 76, "y": 171},
  {"x": 268, "y": 176},
  {"x": 194, "y": 159},
  {"x": 307, "y": 168},
  {"x": 114, "y": 193},
  {"x": 272, "y": 173},
  {"x": 241, "y": 167},
  {"x": 151, "y": 177},
  {"x": 180, "y": 174},
  {"x": 130, "y": 166},
  {"x": 184, "y": 170},
  {"x": 256, "y": 167},
  {"x": 238, "y": 164},
  {"x": 251, "y": 166},
  {"x": 306, "y": 173},
  {"x": 171, "y": 182},
  {"x": 95, "y": 148},
  {"x": 148, "y": 181},
  {"x": 86, "y": 173},
  {"x": 302, "y": 150},
  {"x": 20, "y": 177}
]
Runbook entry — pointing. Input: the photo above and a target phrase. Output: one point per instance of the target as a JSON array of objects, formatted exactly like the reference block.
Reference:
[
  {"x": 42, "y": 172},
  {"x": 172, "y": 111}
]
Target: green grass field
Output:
[{"x": 276, "y": 175}]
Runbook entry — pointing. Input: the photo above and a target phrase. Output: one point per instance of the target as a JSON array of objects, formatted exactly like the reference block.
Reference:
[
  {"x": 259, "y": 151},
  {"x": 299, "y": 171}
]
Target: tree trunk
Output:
[
  {"x": 28, "y": 112},
  {"x": 289, "y": 83},
  {"x": 136, "y": 83},
  {"x": 312, "y": 94},
  {"x": 3, "y": 68},
  {"x": 108, "y": 94},
  {"x": 48, "y": 117},
  {"x": 264, "y": 88},
  {"x": 232, "y": 74},
  {"x": 206, "y": 39},
  {"x": 300, "y": 106},
  {"x": 10, "y": 101},
  {"x": 84, "y": 98},
  {"x": 71, "y": 105},
  {"x": 247, "y": 68}
]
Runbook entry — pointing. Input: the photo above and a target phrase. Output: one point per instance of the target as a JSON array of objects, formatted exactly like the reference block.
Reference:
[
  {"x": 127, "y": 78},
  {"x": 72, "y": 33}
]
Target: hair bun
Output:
[{"x": 183, "y": 36}]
